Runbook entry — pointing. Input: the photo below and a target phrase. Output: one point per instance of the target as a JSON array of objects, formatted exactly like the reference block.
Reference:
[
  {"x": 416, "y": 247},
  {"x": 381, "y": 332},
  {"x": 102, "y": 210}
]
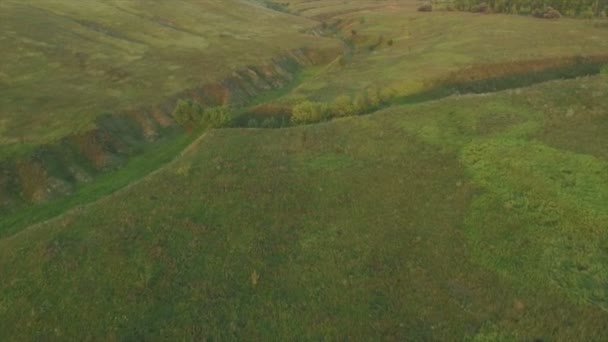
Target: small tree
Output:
[
  {"x": 188, "y": 113},
  {"x": 308, "y": 112},
  {"x": 361, "y": 104},
  {"x": 270, "y": 123},
  {"x": 343, "y": 106},
  {"x": 216, "y": 117},
  {"x": 252, "y": 123}
]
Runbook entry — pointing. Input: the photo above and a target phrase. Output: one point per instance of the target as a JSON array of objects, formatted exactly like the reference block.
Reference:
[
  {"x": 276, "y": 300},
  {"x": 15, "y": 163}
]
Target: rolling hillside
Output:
[
  {"x": 470, "y": 217},
  {"x": 66, "y": 63},
  {"x": 467, "y": 203}
]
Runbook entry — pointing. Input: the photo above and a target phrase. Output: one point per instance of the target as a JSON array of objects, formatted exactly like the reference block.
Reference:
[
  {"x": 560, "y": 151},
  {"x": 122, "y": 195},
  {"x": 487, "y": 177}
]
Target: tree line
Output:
[{"x": 569, "y": 8}]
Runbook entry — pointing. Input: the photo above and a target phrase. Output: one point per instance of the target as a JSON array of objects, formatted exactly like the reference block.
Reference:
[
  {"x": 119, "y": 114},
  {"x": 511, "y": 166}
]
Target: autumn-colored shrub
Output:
[
  {"x": 309, "y": 112},
  {"x": 342, "y": 106}
]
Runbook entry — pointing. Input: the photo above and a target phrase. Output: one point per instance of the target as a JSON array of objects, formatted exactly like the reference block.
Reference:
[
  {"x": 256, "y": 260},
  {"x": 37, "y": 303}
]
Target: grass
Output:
[
  {"x": 66, "y": 64},
  {"x": 154, "y": 156},
  {"x": 449, "y": 219},
  {"x": 477, "y": 217}
]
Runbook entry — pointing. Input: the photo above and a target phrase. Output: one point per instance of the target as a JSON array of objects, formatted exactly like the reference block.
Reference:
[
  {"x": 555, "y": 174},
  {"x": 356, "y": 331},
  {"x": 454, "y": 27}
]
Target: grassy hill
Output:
[
  {"x": 469, "y": 217},
  {"x": 394, "y": 47},
  {"x": 65, "y": 64},
  {"x": 473, "y": 217}
]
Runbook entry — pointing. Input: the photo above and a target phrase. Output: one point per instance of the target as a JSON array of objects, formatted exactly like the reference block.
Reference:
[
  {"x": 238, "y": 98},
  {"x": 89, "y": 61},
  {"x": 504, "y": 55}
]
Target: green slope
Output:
[
  {"x": 467, "y": 217},
  {"x": 425, "y": 47}
]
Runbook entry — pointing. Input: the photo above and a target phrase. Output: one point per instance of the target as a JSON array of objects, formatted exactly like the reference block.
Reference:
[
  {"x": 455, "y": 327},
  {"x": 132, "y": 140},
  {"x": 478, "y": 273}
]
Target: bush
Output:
[
  {"x": 552, "y": 14},
  {"x": 188, "y": 113},
  {"x": 309, "y": 112},
  {"x": 270, "y": 123},
  {"x": 604, "y": 70},
  {"x": 216, "y": 117},
  {"x": 480, "y": 8},
  {"x": 253, "y": 123},
  {"x": 537, "y": 13},
  {"x": 426, "y": 7},
  {"x": 361, "y": 104},
  {"x": 343, "y": 106}
]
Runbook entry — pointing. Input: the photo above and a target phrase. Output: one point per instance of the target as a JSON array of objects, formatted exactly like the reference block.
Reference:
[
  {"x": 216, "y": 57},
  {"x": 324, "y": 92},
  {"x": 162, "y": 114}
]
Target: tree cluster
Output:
[
  {"x": 342, "y": 106},
  {"x": 191, "y": 115},
  {"x": 541, "y": 8}
]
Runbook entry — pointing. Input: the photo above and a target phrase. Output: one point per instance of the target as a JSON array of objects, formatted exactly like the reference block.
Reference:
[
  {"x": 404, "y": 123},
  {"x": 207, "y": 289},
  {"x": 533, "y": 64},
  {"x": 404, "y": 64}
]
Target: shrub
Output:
[
  {"x": 361, "y": 104},
  {"x": 253, "y": 123},
  {"x": 188, "y": 113},
  {"x": 343, "y": 106},
  {"x": 552, "y": 14},
  {"x": 537, "y": 13},
  {"x": 480, "y": 8},
  {"x": 308, "y": 112},
  {"x": 604, "y": 70},
  {"x": 216, "y": 117},
  {"x": 588, "y": 13},
  {"x": 373, "y": 99},
  {"x": 426, "y": 7},
  {"x": 270, "y": 123}
]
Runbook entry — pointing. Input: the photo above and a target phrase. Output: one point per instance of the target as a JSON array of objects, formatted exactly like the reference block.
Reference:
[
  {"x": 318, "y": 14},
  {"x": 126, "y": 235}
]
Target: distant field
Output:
[
  {"x": 427, "y": 46},
  {"x": 64, "y": 62},
  {"x": 479, "y": 217}
]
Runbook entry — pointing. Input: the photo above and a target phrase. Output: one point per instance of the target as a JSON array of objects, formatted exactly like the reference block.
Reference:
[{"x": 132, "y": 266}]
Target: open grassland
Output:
[
  {"x": 396, "y": 48},
  {"x": 64, "y": 63},
  {"x": 475, "y": 217}
]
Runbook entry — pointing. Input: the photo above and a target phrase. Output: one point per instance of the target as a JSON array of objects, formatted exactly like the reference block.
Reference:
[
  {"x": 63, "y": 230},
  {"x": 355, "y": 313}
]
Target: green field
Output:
[
  {"x": 427, "y": 46},
  {"x": 467, "y": 217},
  {"x": 470, "y": 204}
]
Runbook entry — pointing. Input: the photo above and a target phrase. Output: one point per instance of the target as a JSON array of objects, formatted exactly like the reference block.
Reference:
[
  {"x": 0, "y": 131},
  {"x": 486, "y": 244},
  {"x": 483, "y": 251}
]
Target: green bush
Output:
[
  {"x": 308, "y": 112},
  {"x": 361, "y": 104},
  {"x": 343, "y": 106},
  {"x": 604, "y": 70},
  {"x": 480, "y": 8},
  {"x": 188, "y": 113},
  {"x": 253, "y": 123},
  {"x": 270, "y": 123},
  {"x": 216, "y": 117}
]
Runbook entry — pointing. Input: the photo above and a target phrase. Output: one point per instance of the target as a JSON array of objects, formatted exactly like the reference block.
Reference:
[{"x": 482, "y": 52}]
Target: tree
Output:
[
  {"x": 309, "y": 112},
  {"x": 343, "y": 106},
  {"x": 216, "y": 117},
  {"x": 188, "y": 113}
]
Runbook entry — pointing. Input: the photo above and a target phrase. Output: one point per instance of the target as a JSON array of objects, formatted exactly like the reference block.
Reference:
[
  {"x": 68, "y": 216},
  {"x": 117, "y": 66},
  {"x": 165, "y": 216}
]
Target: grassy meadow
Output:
[
  {"x": 470, "y": 217},
  {"x": 404, "y": 51},
  {"x": 438, "y": 217}
]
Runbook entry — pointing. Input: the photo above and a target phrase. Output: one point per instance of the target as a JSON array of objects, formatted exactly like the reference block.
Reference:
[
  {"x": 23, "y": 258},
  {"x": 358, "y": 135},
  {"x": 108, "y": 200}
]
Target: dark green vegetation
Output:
[
  {"x": 469, "y": 205},
  {"x": 571, "y": 8}
]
